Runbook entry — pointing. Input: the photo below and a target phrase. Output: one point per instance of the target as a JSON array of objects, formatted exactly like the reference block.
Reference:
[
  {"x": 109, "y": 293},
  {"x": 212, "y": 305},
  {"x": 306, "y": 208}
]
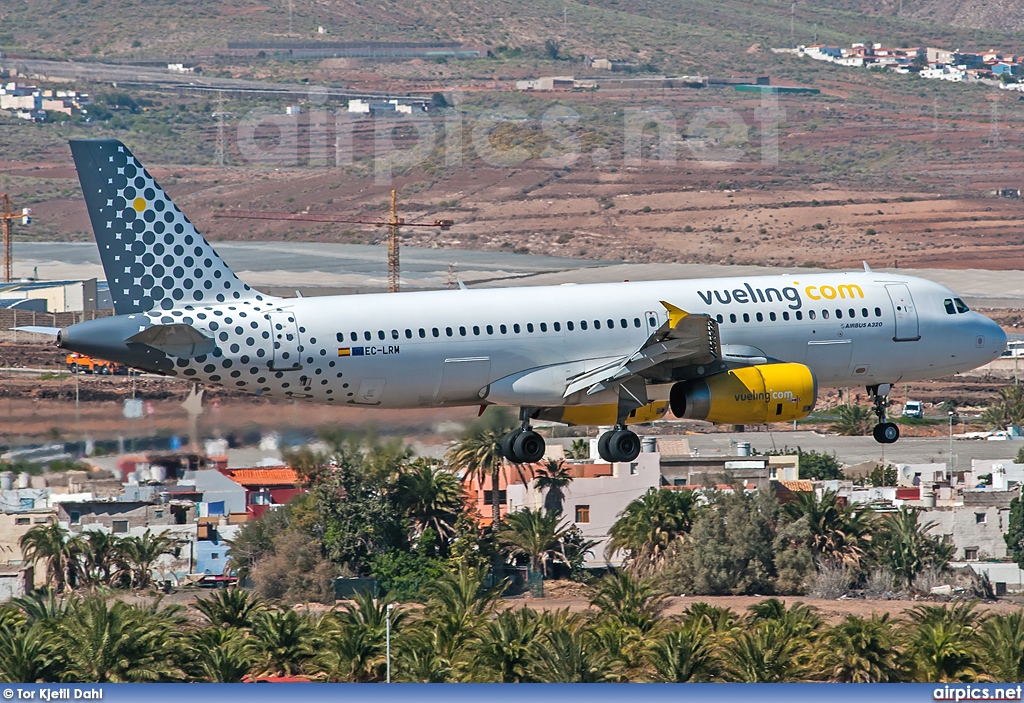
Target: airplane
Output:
[{"x": 738, "y": 350}]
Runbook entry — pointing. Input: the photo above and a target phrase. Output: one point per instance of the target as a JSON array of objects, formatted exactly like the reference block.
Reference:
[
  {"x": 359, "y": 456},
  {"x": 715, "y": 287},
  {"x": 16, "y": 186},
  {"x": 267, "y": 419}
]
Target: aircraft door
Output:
[
  {"x": 462, "y": 379},
  {"x": 284, "y": 331},
  {"x": 652, "y": 321},
  {"x": 829, "y": 359},
  {"x": 907, "y": 327}
]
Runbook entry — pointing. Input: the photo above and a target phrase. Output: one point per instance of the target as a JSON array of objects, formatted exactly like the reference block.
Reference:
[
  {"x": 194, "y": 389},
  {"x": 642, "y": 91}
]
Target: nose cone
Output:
[{"x": 989, "y": 339}]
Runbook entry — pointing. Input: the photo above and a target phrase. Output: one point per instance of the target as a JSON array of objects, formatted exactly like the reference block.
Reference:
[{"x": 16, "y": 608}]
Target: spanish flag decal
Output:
[{"x": 345, "y": 351}]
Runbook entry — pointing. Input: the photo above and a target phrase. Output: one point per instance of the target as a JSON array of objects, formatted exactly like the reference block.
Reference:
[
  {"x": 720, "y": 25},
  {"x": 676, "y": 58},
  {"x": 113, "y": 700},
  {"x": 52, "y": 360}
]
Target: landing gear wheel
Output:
[
  {"x": 602, "y": 447},
  {"x": 625, "y": 445},
  {"x": 619, "y": 445},
  {"x": 528, "y": 447},
  {"x": 886, "y": 432},
  {"x": 508, "y": 446}
]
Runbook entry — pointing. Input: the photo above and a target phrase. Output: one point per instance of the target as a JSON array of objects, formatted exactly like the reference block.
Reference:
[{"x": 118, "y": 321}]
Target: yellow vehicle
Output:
[{"x": 80, "y": 363}]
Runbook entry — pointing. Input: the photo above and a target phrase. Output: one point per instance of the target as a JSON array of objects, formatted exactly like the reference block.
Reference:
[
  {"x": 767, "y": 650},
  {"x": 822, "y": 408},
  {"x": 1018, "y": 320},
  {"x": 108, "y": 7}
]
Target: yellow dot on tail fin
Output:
[{"x": 139, "y": 204}]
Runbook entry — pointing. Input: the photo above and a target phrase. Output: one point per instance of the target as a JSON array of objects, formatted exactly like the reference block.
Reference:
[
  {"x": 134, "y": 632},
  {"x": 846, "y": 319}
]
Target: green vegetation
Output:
[{"x": 464, "y": 633}]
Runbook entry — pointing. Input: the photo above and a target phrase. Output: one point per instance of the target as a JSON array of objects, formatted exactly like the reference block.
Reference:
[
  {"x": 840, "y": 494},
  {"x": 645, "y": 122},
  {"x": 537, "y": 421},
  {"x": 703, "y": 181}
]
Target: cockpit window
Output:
[
  {"x": 950, "y": 308},
  {"x": 961, "y": 306}
]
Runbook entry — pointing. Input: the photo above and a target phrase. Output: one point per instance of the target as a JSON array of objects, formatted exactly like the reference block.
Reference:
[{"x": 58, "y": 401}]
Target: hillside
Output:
[{"x": 705, "y": 35}]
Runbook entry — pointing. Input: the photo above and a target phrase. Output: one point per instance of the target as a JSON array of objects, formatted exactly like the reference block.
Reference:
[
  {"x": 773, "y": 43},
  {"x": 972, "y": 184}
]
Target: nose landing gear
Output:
[{"x": 884, "y": 432}]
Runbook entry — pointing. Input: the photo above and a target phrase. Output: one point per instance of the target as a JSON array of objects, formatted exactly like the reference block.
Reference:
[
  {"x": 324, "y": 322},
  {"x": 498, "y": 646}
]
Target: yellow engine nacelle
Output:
[{"x": 748, "y": 396}]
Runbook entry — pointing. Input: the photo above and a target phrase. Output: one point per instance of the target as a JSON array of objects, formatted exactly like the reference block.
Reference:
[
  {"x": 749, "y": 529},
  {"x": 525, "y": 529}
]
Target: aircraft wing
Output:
[{"x": 684, "y": 339}]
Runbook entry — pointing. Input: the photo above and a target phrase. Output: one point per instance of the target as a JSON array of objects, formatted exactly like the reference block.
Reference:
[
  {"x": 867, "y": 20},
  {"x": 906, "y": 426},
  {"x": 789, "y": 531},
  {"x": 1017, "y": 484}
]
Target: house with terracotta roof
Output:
[{"x": 266, "y": 487}]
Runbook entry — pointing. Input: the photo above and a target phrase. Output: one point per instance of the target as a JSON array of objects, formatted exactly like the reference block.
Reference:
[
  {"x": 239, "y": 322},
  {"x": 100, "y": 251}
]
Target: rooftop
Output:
[{"x": 263, "y": 477}]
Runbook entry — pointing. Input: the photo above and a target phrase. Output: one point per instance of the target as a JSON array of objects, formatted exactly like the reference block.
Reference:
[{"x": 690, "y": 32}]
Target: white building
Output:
[{"x": 594, "y": 501}]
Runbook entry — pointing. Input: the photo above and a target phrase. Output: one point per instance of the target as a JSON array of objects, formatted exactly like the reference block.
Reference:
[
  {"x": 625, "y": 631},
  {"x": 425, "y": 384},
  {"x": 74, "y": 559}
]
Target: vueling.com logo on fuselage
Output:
[
  {"x": 765, "y": 397},
  {"x": 750, "y": 294}
]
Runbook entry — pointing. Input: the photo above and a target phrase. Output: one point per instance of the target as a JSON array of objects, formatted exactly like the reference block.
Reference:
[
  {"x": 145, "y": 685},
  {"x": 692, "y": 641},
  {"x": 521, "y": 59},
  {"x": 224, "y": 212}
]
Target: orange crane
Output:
[
  {"x": 392, "y": 223},
  {"x": 7, "y": 217}
]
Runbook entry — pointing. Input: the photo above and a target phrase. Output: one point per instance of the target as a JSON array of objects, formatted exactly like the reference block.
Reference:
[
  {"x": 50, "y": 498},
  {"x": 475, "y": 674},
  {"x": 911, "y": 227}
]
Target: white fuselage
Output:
[{"x": 456, "y": 347}]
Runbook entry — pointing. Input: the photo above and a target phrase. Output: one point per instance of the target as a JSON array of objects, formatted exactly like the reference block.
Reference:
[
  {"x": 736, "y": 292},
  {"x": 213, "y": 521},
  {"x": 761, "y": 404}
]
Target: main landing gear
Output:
[
  {"x": 885, "y": 432},
  {"x": 523, "y": 446},
  {"x": 619, "y": 444}
]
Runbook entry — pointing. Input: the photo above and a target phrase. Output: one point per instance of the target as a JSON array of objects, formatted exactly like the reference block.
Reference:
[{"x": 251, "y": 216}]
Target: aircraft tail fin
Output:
[{"x": 153, "y": 257}]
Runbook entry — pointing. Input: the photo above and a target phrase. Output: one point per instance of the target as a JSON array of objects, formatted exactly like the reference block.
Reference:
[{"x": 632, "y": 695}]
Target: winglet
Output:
[
  {"x": 867, "y": 269},
  {"x": 675, "y": 315}
]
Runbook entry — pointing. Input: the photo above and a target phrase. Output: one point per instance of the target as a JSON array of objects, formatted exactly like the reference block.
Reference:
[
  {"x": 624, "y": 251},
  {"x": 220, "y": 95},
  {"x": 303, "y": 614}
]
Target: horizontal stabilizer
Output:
[
  {"x": 180, "y": 340},
  {"x": 52, "y": 331}
]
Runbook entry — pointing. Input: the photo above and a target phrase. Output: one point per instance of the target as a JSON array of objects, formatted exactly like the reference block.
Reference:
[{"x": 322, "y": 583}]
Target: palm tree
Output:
[
  {"x": 568, "y": 656},
  {"x": 479, "y": 455},
  {"x": 852, "y": 420},
  {"x": 651, "y": 526},
  {"x": 535, "y": 533},
  {"x": 221, "y": 655},
  {"x": 798, "y": 620},
  {"x": 231, "y": 607},
  {"x": 355, "y": 639},
  {"x": 284, "y": 641},
  {"x": 458, "y": 607},
  {"x": 628, "y": 601},
  {"x": 1002, "y": 638},
  {"x": 140, "y": 553},
  {"x": 552, "y": 478},
  {"x": 103, "y": 557},
  {"x": 765, "y": 653},
  {"x": 116, "y": 643},
  {"x": 506, "y": 649},
  {"x": 905, "y": 546},
  {"x": 683, "y": 654},
  {"x": 944, "y": 652},
  {"x": 579, "y": 449},
  {"x": 430, "y": 495},
  {"x": 28, "y": 654},
  {"x": 862, "y": 651},
  {"x": 52, "y": 544},
  {"x": 1007, "y": 410},
  {"x": 839, "y": 533}
]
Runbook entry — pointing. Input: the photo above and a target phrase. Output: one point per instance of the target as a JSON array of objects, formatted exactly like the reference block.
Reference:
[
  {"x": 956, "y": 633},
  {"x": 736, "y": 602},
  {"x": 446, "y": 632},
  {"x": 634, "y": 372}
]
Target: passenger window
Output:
[
  {"x": 652, "y": 321},
  {"x": 529, "y": 327},
  {"x": 611, "y": 324},
  {"x": 810, "y": 315},
  {"x": 408, "y": 333},
  {"x": 569, "y": 325},
  {"x": 771, "y": 316},
  {"x": 853, "y": 313},
  {"x": 341, "y": 336},
  {"x": 624, "y": 323},
  {"x": 516, "y": 328},
  {"x": 476, "y": 329},
  {"x": 785, "y": 316},
  {"x": 839, "y": 314},
  {"x": 353, "y": 336},
  {"x": 544, "y": 326},
  {"x": 380, "y": 334},
  {"x": 462, "y": 331},
  {"x": 863, "y": 312},
  {"x": 760, "y": 317},
  {"x": 878, "y": 312},
  {"x": 636, "y": 322},
  {"x": 720, "y": 319},
  {"x": 824, "y": 314},
  {"x": 732, "y": 317},
  {"x": 557, "y": 326},
  {"x": 434, "y": 331},
  {"x": 597, "y": 324},
  {"x": 504, "y": 329},
  {"x": 746, "y": 317},
  {"x": 961, "y": 306},
  {"x": 448, "y": 331},
  {"x": 366, "y": 336},
  {"x": 394, "y": 334},
  {"x": 583, "y": 324},
  {"x": 423, "y": 333},
  {"x": 799, "y": 315}
]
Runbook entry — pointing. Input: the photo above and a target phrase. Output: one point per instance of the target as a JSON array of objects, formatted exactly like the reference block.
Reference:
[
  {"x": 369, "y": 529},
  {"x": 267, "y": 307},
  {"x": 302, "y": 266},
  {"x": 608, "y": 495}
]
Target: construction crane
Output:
[
  {"x": 7, "y": 217},
  {"x": 393, "y": 223}
]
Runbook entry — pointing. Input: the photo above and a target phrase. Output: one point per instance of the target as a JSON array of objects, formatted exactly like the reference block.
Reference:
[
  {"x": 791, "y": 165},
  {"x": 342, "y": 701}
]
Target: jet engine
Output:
[{"x": 748, "y": 396}]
